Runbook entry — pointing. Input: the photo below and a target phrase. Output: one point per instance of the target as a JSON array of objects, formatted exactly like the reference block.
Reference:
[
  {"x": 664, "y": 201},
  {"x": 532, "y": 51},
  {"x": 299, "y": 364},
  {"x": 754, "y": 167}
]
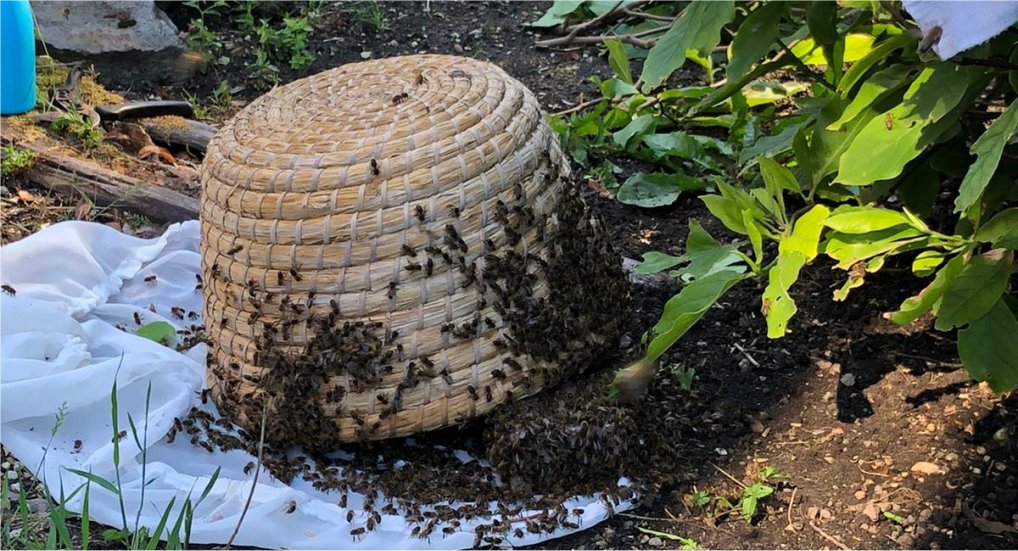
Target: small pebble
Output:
[{"x": 655, "y": 542}]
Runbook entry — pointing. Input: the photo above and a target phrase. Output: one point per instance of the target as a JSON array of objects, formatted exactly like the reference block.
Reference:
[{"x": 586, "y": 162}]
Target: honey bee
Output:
[
  {"x": 342, "y": 501},
  {"x": 357, "y": 533},
  {"x": 295, "y": 274},
  {"x": 454, "y": 211},
  {"x": 931, "y": 39},
  {"x": 374, "y": 168},
  {"x": 150, "y": 279},
  {"x": 407, "y": 250},
  {"x": 498, "y": 374},
  {"x": 349, "y": 515},
  {"x": 429, "y": 267},
  {"x": 419, "y": 79},
  {"x": 447, "y": 377},
  {"x": 77, "y": 445},
  {"x": 7, "y": 289},
  {"x": 177, "y": 312},
  {"x": 249, "y": 467},
  {"x": 392, "y": 290},
  {"x": 419, "y": 212},
  {"x": 279, "y": 278},
  {"x": 236, "y": 249},
  {"x": 291, "y": 506},
  {"x": 205, "y": 395},
  {"x": 487, "y": 393},
  {"x": 412, "y": 267},
  {"x": 472, "y": 391},
  {"x": 137, "y": 318},
  {"x": 889, "y": 121},
  {"x": 400, "y": 98}
]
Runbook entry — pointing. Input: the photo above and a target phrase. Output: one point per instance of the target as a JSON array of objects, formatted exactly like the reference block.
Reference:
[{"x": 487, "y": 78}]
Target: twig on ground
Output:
[
  {"x": 730, "y": 477},
  {"x": 828, "y": 537},
  {"x": 791, "y": 505}
]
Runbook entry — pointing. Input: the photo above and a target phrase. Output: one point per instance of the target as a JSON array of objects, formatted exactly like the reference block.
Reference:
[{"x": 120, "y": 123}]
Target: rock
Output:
[
  {"x": 860, "y": 495},
  {"x": 925, "y": 467},
  {"x": 37, "y": 505},
  {"x": 366, "y": 55},
  {"x": 655, "y": 542},
  {"x": 871, "y": 511},
  {"x": 101, "y": 27},
  {"x": 756, "y": 426},
  {"x": 848, "y": 379},
  {"x": 12, "y": 475},
  {"x": 906, "y": 541}
]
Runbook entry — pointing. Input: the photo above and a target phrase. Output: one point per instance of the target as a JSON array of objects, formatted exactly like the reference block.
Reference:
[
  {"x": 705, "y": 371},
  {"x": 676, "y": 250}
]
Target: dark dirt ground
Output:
[{"x": 861, "y": 416}]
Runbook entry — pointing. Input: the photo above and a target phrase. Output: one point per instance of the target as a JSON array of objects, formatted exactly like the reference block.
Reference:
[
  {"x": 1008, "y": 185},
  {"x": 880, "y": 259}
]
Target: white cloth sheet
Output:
[
  {"x": 964, "y": 24},
  {"x": 61, "y": 349}
]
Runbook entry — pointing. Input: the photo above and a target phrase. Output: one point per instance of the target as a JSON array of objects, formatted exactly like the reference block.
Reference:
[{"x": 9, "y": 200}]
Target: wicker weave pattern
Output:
[{"x": 316, "y": 194}]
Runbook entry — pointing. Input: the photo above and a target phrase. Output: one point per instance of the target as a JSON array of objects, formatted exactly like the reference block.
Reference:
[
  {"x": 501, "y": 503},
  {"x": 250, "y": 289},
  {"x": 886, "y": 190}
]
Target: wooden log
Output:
[
  {"x": 107, "y": 188},
  {"x": 192, "y": 135}
]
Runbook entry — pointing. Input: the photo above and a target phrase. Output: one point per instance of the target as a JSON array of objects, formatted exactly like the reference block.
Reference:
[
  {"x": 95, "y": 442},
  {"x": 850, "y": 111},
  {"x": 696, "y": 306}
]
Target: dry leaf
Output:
[
  {"x": 137, "y": 135},
  {"x": 597, "y": 186},
  {"x": 83, "y": 211},
  {"x": 27, "y": 197},
  {"x": 156, "y": 150},
  {"x": 925, "y": 467}
]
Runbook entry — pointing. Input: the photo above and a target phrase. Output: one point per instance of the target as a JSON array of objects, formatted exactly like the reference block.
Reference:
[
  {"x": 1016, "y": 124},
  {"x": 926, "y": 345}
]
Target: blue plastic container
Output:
[{"x": 17, "y": 57}]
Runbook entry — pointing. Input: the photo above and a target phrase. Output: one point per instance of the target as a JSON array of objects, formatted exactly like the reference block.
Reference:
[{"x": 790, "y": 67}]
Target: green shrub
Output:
[{"x": 846, "y": 155}]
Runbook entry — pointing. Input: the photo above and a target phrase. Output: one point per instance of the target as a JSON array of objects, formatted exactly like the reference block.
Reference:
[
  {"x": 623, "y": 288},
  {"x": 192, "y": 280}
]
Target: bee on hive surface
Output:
[
  {"x": 412, "y": 267},
  {"x": 498, "y": 374},
  {"x": 234, "y": 250},
  {"x": 419, "y": 78},
  {"x": 374, "y": 168},
  {"x": 407, "y": 250},
  {"x": 295, "y": 274},
  {"x": 472, "y": 391},
  {"x": 429, "y": 267},
  {"x": 279, "y": 278},
  {"x": 214, "y": 272},
  {"x": 454, "y": 211},
  {"x": 392, "y": 290},
  {"x": 487, "y": 393},
  {"x": 419, "y": 213},
  {"x": 400, "y": 98}
]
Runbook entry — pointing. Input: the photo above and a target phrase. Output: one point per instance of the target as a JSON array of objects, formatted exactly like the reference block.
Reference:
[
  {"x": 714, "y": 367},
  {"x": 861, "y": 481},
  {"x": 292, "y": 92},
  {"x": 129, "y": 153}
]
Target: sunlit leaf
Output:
[
  {"x": 618, "y": 60},
  {"x": 794, "y": 252},
  {"x": 755, "y": 37},
  {"x": 975, "y": 289},
  {"x": 158, "y": 331},
  {"x": 850, "y": 219},
  {"x": 686, "y": 308},
  {"x": 557, "y": 13},
  {"x": 1001, "y": 230}
]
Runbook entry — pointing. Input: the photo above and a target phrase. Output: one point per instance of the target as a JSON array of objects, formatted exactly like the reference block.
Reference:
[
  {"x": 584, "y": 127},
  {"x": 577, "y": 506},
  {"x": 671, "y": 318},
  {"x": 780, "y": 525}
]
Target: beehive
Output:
[{"x": 396, "y": 246}]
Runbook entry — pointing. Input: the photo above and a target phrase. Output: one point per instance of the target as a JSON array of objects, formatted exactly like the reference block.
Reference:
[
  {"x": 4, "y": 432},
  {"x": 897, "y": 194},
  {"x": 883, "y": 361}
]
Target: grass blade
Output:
[
  {"x": 85, "y": 520},
  {"x": 105, "y": 484},
  {"x": 159, "y": 527}
]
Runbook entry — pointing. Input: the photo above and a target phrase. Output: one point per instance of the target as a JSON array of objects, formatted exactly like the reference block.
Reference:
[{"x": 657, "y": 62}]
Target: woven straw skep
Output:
[{"x": 384, "y": 245}]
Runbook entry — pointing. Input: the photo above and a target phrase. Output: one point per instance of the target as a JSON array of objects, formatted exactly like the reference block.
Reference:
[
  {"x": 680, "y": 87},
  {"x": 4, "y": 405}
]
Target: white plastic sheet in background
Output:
[
  {"x": 60, "y": 348},
  {"x": 963, "y": 24}
]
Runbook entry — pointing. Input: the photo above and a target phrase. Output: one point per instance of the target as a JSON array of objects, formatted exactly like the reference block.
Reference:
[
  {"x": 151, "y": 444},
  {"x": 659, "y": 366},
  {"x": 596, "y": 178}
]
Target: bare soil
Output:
[{"x": 882, "y": 439}]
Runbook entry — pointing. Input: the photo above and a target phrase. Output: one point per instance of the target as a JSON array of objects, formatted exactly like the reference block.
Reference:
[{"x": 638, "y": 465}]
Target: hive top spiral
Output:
[{"x": 377, "y": 120}]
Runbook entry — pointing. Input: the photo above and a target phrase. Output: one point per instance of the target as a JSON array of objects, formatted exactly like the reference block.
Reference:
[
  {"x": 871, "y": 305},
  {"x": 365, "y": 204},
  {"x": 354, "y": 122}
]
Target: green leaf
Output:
[
  {"x": 877, "y": 54},
  {"x": 686, "y": 308},
  {"x": 762, "y": 92},
  {"x": 683, "y": 145},
  {"x": 857, "y": 45},
  {"x": 618, "y": 60},
  {"x": 655, "y": 190},
  {"x": 989, "y": 350},
  {"x": 777, "y": 177},
  {"x": 822, "y": 19},
  {"x": 877, "y": 87},
  {"x": 889, "y": 141},
  {"x": 655, "y": 262},
  {"x": 755, "y": 38},
  {"x": 636, "y": 127},
  {"x": 725, "y": 210},
  {"x": 556, "y": 14},
  {"x": 926, "y": 262},
  {"x": 988, "y": 148},
  {"x": 158, "y": 331},
  {"x": 157, "y": 533},
  {"x": 753, "y": 232},
  {"x": 794, "y": 252},
  {"x": 848, "y": 219},
  {"x": 916, "y": 306},
  {"x": 698, "y": 27},
  {"x": 976, "y": 288},
  {"x": 848, "y": 248},
  {"x": 1001, "y": 230},
  {"x": 771, "y": 146},
  {"x": 698, "y": 239}
]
